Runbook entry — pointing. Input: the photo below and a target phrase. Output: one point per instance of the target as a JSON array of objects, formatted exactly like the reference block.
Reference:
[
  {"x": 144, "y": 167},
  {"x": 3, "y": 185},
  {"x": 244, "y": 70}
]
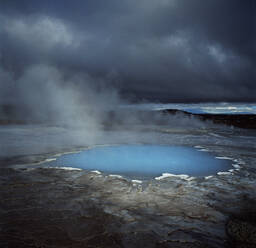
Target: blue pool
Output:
[{"x": 144, "y": 160}]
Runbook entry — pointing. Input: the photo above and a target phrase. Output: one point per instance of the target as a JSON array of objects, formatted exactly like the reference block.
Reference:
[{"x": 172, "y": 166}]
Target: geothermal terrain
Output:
[{"x": 48, "y": 203}]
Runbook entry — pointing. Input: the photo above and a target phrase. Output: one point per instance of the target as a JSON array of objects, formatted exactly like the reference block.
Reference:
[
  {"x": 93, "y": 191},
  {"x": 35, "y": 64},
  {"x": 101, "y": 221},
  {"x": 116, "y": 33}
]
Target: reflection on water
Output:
[{"x": 148, "y": 160}]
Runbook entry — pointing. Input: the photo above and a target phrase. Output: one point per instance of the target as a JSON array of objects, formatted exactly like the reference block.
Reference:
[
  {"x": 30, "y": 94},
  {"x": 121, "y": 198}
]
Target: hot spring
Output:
[{"x": 144, "y": 160}]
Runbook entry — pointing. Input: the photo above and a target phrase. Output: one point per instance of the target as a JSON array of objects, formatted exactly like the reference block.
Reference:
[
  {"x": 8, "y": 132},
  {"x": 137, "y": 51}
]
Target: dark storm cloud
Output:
[{"x": 164, "y": 50}]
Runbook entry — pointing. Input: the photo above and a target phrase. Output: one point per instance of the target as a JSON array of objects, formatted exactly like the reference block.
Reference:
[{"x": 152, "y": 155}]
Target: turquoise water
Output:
[{"x": 147, "y": 160}]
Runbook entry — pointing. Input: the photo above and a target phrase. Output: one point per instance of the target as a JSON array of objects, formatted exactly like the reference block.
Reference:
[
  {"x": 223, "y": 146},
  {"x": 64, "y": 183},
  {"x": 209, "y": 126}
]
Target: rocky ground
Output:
[
  {"x": 47, "y": 207},
  {"x": 59, "y": 208}
]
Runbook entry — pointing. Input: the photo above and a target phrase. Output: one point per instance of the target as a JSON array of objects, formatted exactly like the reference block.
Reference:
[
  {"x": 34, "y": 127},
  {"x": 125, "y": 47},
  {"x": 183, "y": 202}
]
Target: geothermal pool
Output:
[{"x": 144, "y": 160}]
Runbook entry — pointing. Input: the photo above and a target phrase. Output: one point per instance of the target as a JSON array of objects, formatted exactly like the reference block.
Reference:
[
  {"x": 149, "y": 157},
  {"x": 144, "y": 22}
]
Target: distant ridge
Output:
[{"x": 236, "y": 120}]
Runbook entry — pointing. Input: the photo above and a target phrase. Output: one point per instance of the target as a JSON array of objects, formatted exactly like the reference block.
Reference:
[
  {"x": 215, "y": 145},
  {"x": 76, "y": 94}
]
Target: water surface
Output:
[{"x": 148, "y": 160}]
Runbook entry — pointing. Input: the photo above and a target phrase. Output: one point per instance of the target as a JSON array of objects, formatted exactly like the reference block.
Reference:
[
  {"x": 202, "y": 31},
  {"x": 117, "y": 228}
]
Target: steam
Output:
[
  {"x": 42, "y": 94},
  {"x": 63, "y": 111}
]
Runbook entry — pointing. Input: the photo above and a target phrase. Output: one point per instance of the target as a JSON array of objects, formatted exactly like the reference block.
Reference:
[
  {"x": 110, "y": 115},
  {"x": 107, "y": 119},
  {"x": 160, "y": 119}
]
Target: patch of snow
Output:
[
  {"x": 204, "y": 150},
  {"x": 198, "y": 147},
  {"x": 165, "y": 175},
  {"x": 117, "y": 176},
  {"x": 190, "y": 178},
  {"x": 224, "y": 173},
  {"x": 97, "y": 172},
  {"x": 49, "y": 160},
  {"x": 236, "y": 166},
  {"x": 136, "y": 181},
  {"x": 67, "y": 168},
  {"x": 226, "y": 158},
  {"x": 208, "y": 177}
]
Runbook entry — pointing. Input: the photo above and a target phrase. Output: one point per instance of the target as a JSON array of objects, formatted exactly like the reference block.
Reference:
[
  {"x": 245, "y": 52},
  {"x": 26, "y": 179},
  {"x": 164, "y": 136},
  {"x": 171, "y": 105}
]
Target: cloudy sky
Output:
[{"x": 156, "y": 50}]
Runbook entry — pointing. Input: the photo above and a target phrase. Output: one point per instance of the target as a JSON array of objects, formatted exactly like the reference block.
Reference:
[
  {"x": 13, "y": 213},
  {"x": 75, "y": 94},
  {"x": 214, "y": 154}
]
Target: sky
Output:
[{"x": 146, "y": 50}]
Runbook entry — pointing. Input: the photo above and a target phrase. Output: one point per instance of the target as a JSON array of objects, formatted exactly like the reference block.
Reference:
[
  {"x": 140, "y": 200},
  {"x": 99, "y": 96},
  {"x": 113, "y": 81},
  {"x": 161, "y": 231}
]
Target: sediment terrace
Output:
[{"x": 54, "y": 207}]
